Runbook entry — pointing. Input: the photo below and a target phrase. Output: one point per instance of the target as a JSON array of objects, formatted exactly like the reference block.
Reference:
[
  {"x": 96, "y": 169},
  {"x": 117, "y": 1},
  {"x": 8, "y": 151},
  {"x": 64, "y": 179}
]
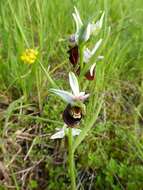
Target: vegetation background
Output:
[{"x": 111, "y": 155}]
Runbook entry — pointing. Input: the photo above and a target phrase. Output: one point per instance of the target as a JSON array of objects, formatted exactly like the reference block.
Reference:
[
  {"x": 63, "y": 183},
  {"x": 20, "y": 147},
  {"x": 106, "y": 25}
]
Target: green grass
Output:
[{"x": 110, "y": 156}]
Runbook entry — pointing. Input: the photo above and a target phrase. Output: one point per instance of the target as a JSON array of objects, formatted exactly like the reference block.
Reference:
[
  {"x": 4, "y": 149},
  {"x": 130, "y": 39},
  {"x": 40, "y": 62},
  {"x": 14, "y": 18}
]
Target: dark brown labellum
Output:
[
  {"x": 72, "y": 115},
  {"x": 73, "y": 55},
  {"x": 89, "y": 76}
]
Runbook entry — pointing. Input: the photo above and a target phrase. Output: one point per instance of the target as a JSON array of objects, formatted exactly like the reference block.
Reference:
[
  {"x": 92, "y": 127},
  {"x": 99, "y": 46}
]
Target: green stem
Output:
[
  {"x": 71, "y": 160},
  {"x": 81, "y": 51}
]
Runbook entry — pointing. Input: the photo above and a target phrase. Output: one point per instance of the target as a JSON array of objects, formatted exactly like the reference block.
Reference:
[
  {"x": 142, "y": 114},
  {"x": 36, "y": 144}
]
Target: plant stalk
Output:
[
  {"x": 71, "y": 160},
  {"x": 81, "y": 51}
]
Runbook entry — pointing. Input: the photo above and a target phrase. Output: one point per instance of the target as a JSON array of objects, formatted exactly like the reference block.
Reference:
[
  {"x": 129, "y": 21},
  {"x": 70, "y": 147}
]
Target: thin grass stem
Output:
[{"x": 47, "y": 75}]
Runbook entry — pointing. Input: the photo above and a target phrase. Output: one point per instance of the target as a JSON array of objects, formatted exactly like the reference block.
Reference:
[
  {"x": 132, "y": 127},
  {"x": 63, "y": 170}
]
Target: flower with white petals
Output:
[
  {"x": 64, "y": 131},
  {"x": 76, "y": 108},
  {"x": 87, "y": 56},
  {"x": 95, "y": 27},
  {"x": 73, "y": 97},
  {"x": 89, "y": 53},
  {"x": 83, "y": 32}
]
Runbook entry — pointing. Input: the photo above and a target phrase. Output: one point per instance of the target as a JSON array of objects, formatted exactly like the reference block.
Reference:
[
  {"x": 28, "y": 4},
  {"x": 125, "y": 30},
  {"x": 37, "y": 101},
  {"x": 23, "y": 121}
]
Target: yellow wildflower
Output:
[{"x": 29, "y": 56}]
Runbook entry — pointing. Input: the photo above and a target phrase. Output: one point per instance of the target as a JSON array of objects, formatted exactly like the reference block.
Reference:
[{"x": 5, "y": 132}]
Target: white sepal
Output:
[
  {"x": 63, "y": 132},
  {"x": 97, "y": 45},
  {"x": 81, "y": 93},
  {"x": 74, "y": 83},
  {"x": 75, "y": 132},
  {"x": 86, "y": 55},
  {"x": 98, "y": 25},
  {"x": 66, "y": 96},
  {"x": 58, "y": 135},
  {"x": 84, "y": 97},
  {"x": 77, "y": 19}
]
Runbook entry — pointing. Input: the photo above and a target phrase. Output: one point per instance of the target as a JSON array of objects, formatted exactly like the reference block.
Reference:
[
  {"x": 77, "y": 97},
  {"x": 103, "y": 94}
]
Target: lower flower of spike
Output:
[
  {"x": 90, "y": 74},
  {"x": 72, "y": 115}
]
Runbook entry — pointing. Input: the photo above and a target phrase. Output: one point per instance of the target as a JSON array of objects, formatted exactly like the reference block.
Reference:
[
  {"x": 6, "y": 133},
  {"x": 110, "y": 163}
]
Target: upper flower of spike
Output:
[
  {"x": 75, "y": 96},
  {"x": 84, "y": 31}
]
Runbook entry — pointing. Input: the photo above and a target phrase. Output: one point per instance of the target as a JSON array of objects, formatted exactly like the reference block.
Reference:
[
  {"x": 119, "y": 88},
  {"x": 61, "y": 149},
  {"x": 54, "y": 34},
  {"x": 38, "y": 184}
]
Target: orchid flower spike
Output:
[
  {"x": 83, "y": 32},
  {"x": 73, "y": 97},
  {"x": 64, "y": 131}
]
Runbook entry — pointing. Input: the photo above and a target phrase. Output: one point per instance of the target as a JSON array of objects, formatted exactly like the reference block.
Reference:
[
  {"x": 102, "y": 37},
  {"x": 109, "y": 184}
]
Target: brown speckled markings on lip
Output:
[{"x": 72, "y": 115}]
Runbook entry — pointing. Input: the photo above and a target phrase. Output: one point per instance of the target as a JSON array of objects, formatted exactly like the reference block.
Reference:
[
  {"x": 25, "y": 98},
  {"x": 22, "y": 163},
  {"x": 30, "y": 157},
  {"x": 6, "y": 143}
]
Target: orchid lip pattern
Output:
[
  {"x": 76, "y": 95},
  {"x": 72, "y": 115}
]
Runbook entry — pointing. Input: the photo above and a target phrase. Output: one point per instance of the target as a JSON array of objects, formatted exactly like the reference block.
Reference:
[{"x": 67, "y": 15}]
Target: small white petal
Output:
[
  {"x": 87, "y": 33},
  {"x": 64, "y": 131},
  {"x": 97, "y": 45},
  {"x": 81, "y": 93},
  {"x": 73, "y": 39},
  {"x": 75, "y": 132},
  {"x": 86, "y": 55},
  {"x": 74, "y": 83},
  {"x": 92, "y": 69},
  {"x": 84, "y": 97},
  {"x": 59, "y": 135},
  {"x": 94, "y": 28},
  {"x": 66, "y": 96}
]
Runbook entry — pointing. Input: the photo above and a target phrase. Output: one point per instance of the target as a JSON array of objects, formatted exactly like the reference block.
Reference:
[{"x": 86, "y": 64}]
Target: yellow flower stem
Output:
[{"x": 71, "y": 160}]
